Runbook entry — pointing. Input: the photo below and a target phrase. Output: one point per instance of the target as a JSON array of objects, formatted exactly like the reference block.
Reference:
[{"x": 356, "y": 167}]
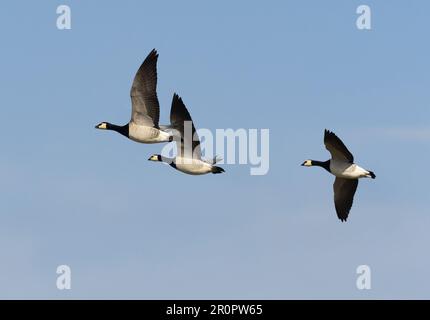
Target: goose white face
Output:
[
  {"x": 154, "y": 157},
  {"x": 307, "y": 163},
  {"x": 102, "y": 126}
]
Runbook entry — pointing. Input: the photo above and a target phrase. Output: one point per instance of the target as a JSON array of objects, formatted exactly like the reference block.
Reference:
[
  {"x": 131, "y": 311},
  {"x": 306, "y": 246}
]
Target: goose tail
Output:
[
  {"x": 216, "y": 170},
  {"x": 372, "y": 175}
]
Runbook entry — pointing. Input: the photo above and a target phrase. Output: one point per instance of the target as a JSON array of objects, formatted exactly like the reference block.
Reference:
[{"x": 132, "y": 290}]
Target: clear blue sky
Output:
[{"x": 130, "y": 228}]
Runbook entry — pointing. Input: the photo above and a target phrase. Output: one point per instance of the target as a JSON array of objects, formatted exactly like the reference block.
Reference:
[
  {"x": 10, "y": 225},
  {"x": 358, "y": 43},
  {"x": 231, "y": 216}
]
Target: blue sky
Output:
[{"x": 129, "y": 228}]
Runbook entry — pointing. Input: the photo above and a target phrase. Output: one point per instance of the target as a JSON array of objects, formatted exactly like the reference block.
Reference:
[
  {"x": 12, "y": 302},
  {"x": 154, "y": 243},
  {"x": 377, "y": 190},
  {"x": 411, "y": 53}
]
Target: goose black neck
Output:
[
  {"x": 323, "y": 164},
  {"x": 169, "y": 161},
  {"x": 120, "y": 129}
]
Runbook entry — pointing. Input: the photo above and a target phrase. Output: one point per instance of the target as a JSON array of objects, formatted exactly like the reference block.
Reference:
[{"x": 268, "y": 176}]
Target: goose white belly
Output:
[
  {"x": 347, "y": 170},
  {"x": 192, "y": 166},
  {"x": 146, "y": 134}
]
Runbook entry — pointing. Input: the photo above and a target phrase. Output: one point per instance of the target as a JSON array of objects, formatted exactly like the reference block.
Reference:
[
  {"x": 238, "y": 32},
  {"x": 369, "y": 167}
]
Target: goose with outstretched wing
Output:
[
  {"x": 189, "y": 158},
  {"x": 347, "y": 173},
  {"x": 145, "y": 112}
]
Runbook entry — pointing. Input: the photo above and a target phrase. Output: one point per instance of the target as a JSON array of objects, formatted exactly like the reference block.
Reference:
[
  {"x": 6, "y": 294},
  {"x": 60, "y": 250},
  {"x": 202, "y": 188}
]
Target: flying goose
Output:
[
  {"x": 188, "y": 159},
  {"x": 143, "y": 126},
  {"x": 346, "y": 171}
]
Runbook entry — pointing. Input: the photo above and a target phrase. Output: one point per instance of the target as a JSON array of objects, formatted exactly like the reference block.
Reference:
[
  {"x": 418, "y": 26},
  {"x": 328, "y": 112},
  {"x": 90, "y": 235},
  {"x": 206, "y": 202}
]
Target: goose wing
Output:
[
  {"x": 144, "y": 101},
  {"x": 180, "y": 119},
  {"x": 336, "y": 147},
  {"x": 344, "y": 190}
]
